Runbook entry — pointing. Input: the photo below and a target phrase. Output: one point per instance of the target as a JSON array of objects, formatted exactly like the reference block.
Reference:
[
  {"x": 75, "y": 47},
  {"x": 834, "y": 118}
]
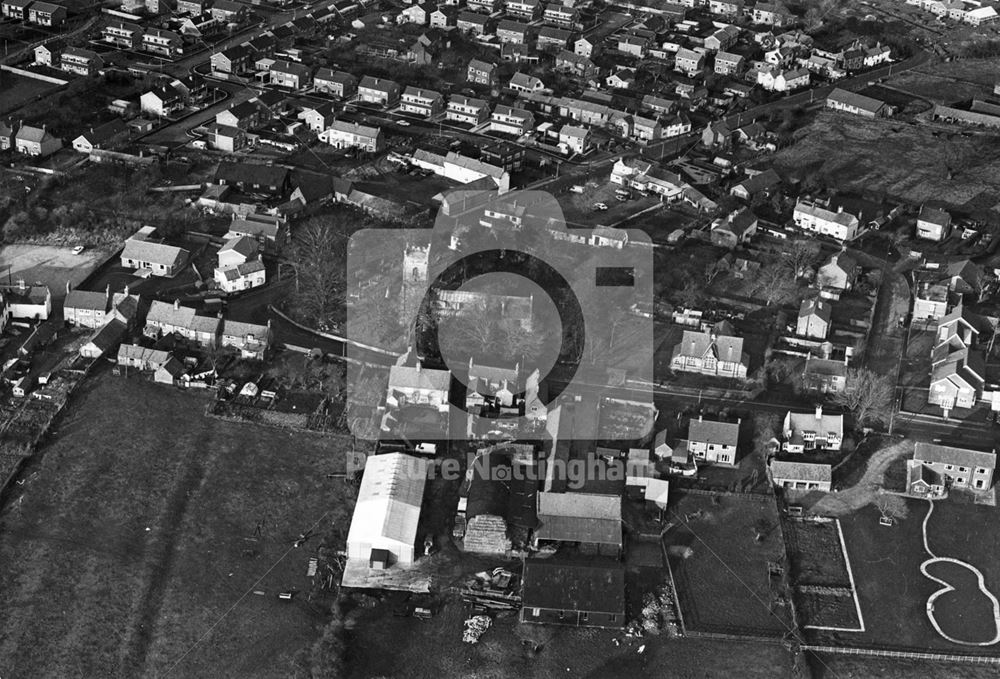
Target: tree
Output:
[
  {"x": 316, "y": 256},
  {"x": 775, "y": 283},
  {"x": 891, "y": 506},
  {"x": 802, "y": 256},
  {"x": 867, "y": 395},
  {"x": 691, "y": 295}
]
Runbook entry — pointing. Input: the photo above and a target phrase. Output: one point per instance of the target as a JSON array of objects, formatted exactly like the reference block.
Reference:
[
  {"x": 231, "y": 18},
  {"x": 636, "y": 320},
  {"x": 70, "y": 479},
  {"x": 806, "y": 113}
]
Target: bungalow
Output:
[
  {"x": 814, "y": 319},
  {"x": 343, "y": 134},
  {"x": 468, "y": 110},
  {"x": 80, "y": 61},
  {"x": 35, "y": 141},
  {"x": 585, "y": 594},
  {"x": 158, "y": 258},
  {"x": 46, "y": 14},
  {"x": 162, "y": 102},
  {"x": 712, "y": 441},
  {"x": 101, "y": 137},
  {"x": 336, "y": 83},
  {"x": 481, "y": 72},
  {"x": 857, "y": 104},
  {"x": 803, "y": 432},
  {"x": 957, "y": 467},
  {"x": 122, "y": 34},
  {"x": 815, "y": 218},
  {"x": 253, "y": 178},
  {"x": 735, "y": 229},
  {"x": 514, "y": 121},
  {"x": 801, "y": 476},
  {"x": 710, "y": 354},
  {"x": 426, "y": 103},
  {"x": 933, "y": 223},
  {"x": 760, "y": 183},
  {"x": 290, "y": 74},
  {"x": 524, "y": 83},
  {"x": 379, "y": 91}
]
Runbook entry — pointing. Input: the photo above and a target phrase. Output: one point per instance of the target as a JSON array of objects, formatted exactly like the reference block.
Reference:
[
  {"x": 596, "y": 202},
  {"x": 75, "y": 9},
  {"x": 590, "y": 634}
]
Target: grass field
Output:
[
  {"x": 133, "y": 547},
  {"x": 724, "y": 586},
  {"x": 951, "y": 81},
  {"x": 908, "y": 162}
]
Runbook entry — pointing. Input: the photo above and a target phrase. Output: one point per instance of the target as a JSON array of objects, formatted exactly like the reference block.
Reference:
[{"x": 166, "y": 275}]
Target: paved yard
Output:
[{"x": 52, "y": 265}]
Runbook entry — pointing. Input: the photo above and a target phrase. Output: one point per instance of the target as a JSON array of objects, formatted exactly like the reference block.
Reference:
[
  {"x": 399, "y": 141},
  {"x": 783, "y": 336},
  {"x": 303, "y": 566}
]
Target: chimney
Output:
[
  {"x": 67, "y": 287},
  {"x": 126, "y": 289},
  {"x": 107, "y": 291},
  {"x": 177, "y": 304},
  {"x": 819, "y": 412},
  {"x": 699, "y": 417}
]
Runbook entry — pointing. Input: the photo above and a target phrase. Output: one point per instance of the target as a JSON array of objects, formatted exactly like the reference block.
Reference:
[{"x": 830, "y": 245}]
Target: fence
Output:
[{"x": 905, "y": 655}]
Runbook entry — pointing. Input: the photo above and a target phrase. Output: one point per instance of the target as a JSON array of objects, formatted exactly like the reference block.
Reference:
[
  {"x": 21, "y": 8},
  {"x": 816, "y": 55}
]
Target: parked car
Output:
[
  {"x": 600, "y": 207},
  {"x": 78, "y": 250},
  {"x": 404, "y": 123}
]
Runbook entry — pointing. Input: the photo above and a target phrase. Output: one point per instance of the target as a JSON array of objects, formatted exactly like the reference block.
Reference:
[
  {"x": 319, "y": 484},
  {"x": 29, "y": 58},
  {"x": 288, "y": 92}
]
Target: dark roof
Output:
[
  {"x": 934, "y": 453},
  {"x": 597, "y": 586},
  {"x": 264, "y": 175}
]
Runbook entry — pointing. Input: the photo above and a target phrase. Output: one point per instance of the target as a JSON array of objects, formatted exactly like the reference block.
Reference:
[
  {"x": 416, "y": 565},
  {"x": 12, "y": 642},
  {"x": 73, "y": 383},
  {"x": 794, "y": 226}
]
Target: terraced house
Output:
[
  {"x": 816, "y": 218},
  {"x": 347, "y": 135},
  {"x": 378, "y": 91},
  {"x": 426, "y": 103}
]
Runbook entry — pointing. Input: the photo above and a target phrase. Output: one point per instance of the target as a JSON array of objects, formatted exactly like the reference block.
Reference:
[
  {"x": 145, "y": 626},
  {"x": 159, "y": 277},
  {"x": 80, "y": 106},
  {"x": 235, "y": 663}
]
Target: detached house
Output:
[
  {"x": 157, "y": 258},
  {"x": 837, "y": 275},
  {"x": 814, "y": 319},
  {"x": 379, "y": 91},
  {"x": 35, "y": 141},
  {"x": 467, "y": 110},
  {"x": 713, "y": 442},
  {"x": 933, "y": 224},
  {"x": 80, "y": 61},
  {"x": 955, "y": 467},
  {"x": 735, "y": 229},
  {"x": 804, "y": 432},
  {"x": 710, "y": 354},
  {"x": 801, "y": 476},
  {"x": 426, "y": 103},
  {"x": 335, "y": 83},
  {"x": 481, "y": 73}
]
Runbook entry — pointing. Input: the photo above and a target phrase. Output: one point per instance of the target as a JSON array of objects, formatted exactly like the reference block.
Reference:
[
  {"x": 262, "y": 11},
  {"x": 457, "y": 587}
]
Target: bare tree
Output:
[
  {"x": 867, "y": 395},
  {"x": 775, "y": 283},
  {"x": 891, "y": 506},
  {"x": 316, "y": 257}
]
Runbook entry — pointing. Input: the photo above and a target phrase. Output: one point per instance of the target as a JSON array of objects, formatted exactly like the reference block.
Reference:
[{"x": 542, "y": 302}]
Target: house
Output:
[
  {"x": 503, "y": 155},
  {"x": 579, "y": 66},
  {"x": 473, "y": 22},
  {"x": 416, "y": 385},
  {"x": 486, "y": 6},
  {"x": 576, "y": 139},
  {"x": 838, "y": 274},
  {"x": 467, "y": 110},
  {"x": 242, "y": 276},
  {"x": 481, "y": 72},
  {"x": 712, "y": 441},
  {"x": 515, "y": 32},
  {"x": 524, "y": 9},
  {"x": 522, "y": 83},
  {"x": 233, "y": 60},
  {"x": 162, "y": 42},
  {"x": 426, "y": 103},
  {"x": 251, "y": 339},
  {"x": 418, "y": 13},
  {"x": 238, "y": 250},
  {"x": 229, "y": 11},
  {"x": 244, "y": 115},
  {"x": 26, "y": 302},
  {"x": 443, "y": 17},
  {"x": 47, "y": 54},
  {"x": 777, "y": 80},
  {"x": 226, "y": 137},
  {"x": 958, "y": 376},
  {"x": 585, "y": 594},
  {"x": 622, "y": 79},
  {"x": 689, "y": 61},
  {"x": 823, "y": 375},
  {"x": 193, "y": 7},
  {"x": 104, "y": 340},
  {"x": 857, "y": 104},
  {"x": 158, "y": 258},
  {"x": 923, "y": 481},
  {"x": 510, "y": 120},
  {"x": 141, "y": 358},
  {"x": 814, "y": 319},
  {"x": 87, "y": 309},
  {"x": 761, "y": 183},
  {"x": 342, "y": 134},
  {"x": 80, "y": 61},
  {"x": 727, "y": 63},
  {"x": 816, "y": 218},
  {"x": 100, "y": 137},
  {"x": 122, "y": 34},
  {"x": 290, "y": 74},
  {"x": 253, "y": 178},
  {"x": 383, "y": 528},
  {"x": 772, "y": 14},
  {"x": 35, "y": 141},
  {"x": 957, "y": 467},
  {"x": 268, "y": 231},
  {"x": 710, "y": 354},
  {"x": 805, "y": 432},
  {"x": 15, "y": 9},
  {"x": 318, "y": 118},
  {"x": 802, "y": 476},
  {"x": 728, "y": 8},
  {"x": 162, "y": 102},
  {"x": 591, "y": 521},
  {"x": 933, "y": 223},
  {"x": 736, "y": 229},
  {"x": 165, "y": 318},
  {"x": 722, "y": 38},
  {"x": 46, "y": 14},
  {"x": 633, "y": 45},
  {"x": 378, "y": 91},
  {"x": 335, "y": 83}
]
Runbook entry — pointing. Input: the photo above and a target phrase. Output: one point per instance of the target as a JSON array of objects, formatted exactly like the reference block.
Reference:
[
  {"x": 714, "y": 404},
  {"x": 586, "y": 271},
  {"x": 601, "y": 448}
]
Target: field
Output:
[
  {"x": 950, "y": 82},
  {"x": 907, "y": 162},
  {"x": 17, "y": 90},
  {"x": 824, "y": 595},
  {"x": 723, "y": 583},
  {"x": 388, "y": 646},
  {"x": 137, "y": 541},
  {"x": 893, "y": 591}
]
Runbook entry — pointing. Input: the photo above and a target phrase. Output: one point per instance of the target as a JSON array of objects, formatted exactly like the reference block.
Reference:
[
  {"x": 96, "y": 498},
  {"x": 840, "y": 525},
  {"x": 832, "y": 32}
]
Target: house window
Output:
[
  {"x": 962, "y": 470},
  {"x": 949, "y": 467},
  {"x": 535, "y": 612}
]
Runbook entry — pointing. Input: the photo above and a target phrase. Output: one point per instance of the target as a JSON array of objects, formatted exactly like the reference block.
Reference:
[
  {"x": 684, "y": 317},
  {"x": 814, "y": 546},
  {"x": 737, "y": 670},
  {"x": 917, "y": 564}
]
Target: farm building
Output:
[
  {"x": 384, "y": 526},
  {"x": 593, "y": 521},
  {"x": 566, "y": 593}
]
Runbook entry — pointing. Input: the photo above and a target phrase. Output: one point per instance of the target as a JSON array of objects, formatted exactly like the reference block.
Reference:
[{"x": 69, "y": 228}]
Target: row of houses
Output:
[{"x": 37, "y": 12}]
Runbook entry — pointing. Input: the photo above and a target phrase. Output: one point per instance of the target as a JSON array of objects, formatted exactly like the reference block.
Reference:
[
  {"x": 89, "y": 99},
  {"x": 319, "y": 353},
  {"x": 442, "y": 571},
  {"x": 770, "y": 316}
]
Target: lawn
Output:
[
  {"x": 951, "y": 81},
  {"x": 824, "y": 596},
  {"x": 723, "y": 581},
  {"x": 903, "y": 161},
  {"x": 893, "y": 592},
  {"x": 134, "y": 546}
]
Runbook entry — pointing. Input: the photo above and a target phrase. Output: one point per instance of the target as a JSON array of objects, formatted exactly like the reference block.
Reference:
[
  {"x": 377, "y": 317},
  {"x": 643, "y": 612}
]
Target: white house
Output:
[{"x": 816, "y": 218}]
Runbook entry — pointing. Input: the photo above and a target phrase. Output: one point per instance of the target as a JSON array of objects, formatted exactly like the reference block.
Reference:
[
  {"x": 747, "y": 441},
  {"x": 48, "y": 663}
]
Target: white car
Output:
[
  {"x": 404, "y": 123},
  {"x": 600, "y": 207},
  {"x": 78, "y": 250}
]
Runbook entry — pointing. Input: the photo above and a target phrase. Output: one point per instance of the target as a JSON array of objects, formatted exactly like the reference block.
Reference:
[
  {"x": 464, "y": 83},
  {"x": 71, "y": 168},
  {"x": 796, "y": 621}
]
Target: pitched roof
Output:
[
  {"x": 86, "y": 299},
  {"x": 560, "y": 585},
  {"x": 815, "y": 307},
  {"x": 389, "y": 499},
  {"x": 801, "y": 471},
  {"x": 167, "y": 313},
  {"x": 243, "y": 329},
  {"x": 964, "y": 457},
  {"x": 108, "y": 335},
  {"x": 156, "y": 253},
  {"x": 855, "y": 100},
  {"x": 248, "y": 173},
  {"x": 417, "y": 377},
  {"x": 712, "y": 431}
]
